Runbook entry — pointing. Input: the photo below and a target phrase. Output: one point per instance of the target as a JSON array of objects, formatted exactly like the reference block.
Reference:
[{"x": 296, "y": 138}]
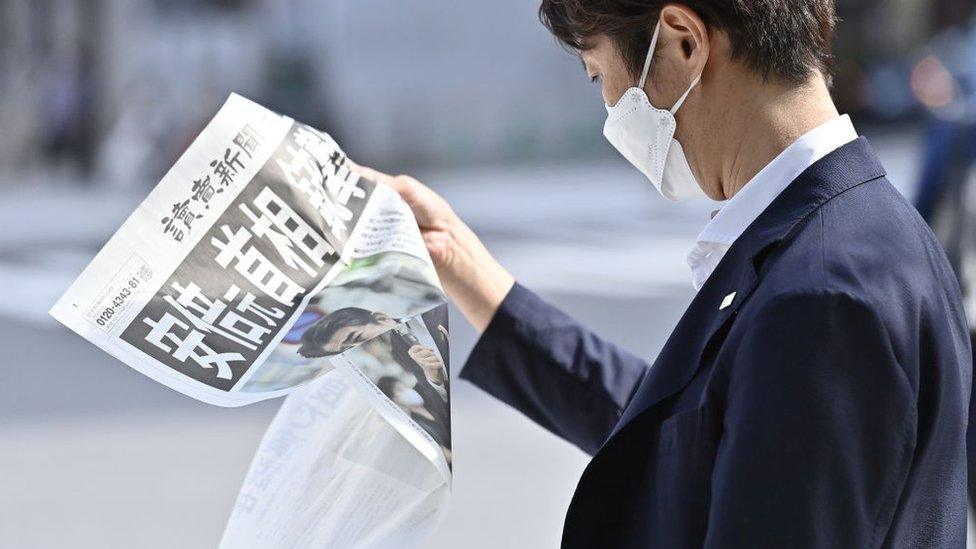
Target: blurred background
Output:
[{"x": 99, "y": 97}]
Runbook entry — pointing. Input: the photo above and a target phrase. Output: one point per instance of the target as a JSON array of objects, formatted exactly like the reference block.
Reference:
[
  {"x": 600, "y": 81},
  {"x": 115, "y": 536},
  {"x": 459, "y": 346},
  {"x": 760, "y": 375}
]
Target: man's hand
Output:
[
  {"x": 470, "y": 275},
  {"x": 428, "y": 360}
]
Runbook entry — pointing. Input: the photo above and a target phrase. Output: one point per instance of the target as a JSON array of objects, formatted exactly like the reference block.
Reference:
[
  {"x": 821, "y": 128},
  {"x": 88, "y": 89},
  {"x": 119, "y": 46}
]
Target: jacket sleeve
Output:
[
  {"x": 819, "y": 429},
  {"x": 546, "y": 365}
]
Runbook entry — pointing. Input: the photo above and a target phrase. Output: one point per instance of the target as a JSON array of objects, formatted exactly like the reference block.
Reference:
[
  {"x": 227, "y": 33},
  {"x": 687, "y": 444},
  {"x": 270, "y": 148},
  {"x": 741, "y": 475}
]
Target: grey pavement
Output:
[{"x": 94, "y": 455}]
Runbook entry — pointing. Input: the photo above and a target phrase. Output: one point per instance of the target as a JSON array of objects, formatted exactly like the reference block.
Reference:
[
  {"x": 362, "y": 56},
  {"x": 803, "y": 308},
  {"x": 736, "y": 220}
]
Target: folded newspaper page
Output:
[{"x": 262, "y": 265}]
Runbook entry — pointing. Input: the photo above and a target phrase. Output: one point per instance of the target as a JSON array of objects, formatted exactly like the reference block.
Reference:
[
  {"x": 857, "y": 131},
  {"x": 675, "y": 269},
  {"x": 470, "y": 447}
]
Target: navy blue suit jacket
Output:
[{"x": 826, "y": 406}]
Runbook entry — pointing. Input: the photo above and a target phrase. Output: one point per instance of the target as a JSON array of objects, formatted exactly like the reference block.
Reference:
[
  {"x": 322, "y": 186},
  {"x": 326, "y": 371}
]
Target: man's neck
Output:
[{"x": 775, "y": 117}]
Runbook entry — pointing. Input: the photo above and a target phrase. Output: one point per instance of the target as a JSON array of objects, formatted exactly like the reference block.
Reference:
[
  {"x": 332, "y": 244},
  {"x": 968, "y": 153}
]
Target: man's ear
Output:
[
  {"x": 686, "y": 34},
  {"x": 383, "y": 318},
  {"x": 308, "y": 350}
]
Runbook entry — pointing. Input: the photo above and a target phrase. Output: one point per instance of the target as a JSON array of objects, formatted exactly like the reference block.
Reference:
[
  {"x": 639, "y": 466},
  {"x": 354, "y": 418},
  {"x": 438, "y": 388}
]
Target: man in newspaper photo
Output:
[
  {"x": 424, "y": 371},
  {"x": 815, "y": 392},
  {"x": 346, "y": 328},
  {"x": 342, "y": 330}
]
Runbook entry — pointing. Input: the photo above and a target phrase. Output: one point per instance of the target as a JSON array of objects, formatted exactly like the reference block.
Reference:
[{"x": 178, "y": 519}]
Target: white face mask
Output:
[
  {"x": 409, "y": 397},
  {"x": 645, "y": 136}
]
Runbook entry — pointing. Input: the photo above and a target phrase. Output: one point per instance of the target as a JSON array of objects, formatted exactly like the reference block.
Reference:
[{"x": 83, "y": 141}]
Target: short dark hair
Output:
[
  {"x": 386, "y": 385},
  {"x": 780, "y": 39},
  {"x": 318, "y": 334}
]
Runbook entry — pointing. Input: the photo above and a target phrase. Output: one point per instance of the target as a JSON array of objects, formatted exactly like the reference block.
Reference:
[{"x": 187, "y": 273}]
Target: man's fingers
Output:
[
  {"x": 370, "y": 173},
  {"x": 400, "y": 183},
  {"x": 438, "y": 246},
  {"x": 415, "y": 352},
  {"x": 428, "y": 208},
  {"x": 420, "y": 351}
]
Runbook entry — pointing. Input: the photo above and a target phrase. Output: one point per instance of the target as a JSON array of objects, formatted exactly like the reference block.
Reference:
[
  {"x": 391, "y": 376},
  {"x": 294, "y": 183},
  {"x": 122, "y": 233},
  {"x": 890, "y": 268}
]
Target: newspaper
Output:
[{"x": 262, "y": 265}]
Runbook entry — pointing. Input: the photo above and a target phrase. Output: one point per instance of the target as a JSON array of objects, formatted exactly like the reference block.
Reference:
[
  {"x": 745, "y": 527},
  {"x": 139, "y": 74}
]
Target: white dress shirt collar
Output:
[{"x": 745, "y": 206}]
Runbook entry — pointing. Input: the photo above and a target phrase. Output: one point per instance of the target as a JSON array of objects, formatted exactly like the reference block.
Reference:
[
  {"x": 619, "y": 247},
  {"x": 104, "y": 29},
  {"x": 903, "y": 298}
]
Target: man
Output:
[
  {"x": 342, "y": 330},
  {"x": 815, "y": 392},
  {"x": 345, "y": 328},
  {"x": 410, "y": 401}
]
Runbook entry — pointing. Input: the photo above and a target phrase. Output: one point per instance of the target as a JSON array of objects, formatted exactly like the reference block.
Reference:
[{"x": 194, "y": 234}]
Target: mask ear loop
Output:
[
  {"x": 647, "y": 66},
  {"x": 650, "y": 54},
  {"x": 681, "y": 101}
]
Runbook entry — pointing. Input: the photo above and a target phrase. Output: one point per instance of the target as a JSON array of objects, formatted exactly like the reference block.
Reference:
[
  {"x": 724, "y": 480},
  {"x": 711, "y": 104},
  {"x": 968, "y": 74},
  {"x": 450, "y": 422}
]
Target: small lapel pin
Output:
[{"x": 727, "y": 301}]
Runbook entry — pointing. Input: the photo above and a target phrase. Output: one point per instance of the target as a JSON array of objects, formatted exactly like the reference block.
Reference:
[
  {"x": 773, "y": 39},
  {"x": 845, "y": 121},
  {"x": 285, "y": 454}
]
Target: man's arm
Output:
[
  {"x": 819, "y": 429},
  {"x": 552, "y": 369},
  {"x": 530, "y": 355}
]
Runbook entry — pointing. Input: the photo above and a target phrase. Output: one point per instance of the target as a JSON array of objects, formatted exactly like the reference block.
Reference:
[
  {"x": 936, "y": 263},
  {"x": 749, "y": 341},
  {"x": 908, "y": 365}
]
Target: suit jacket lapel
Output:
[
  {"x": 681, "y": 355},
  {"x": 679, "y": 360}
]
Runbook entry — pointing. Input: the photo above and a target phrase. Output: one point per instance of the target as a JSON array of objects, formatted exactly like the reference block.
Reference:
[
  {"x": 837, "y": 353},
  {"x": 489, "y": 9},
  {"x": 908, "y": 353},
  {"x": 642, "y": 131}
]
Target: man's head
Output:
[
  {"x": 742, "y": 49},
  {"x": 343, "y": 329}
]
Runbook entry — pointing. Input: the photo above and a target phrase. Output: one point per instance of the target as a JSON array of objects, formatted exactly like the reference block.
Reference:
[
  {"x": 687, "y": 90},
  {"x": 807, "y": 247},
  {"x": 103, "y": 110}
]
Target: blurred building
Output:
[
  {"x": 132, "y": 81},
  {"x": 115, "y": 89},
  {"x": 878, "y": 44}
]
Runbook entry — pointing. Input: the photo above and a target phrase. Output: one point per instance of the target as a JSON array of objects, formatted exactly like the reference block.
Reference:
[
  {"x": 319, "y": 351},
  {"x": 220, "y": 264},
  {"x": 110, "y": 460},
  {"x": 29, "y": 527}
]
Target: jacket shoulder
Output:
[
  {"x": 867, "y": 242},
  {"x": 870, "y": 246}
]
